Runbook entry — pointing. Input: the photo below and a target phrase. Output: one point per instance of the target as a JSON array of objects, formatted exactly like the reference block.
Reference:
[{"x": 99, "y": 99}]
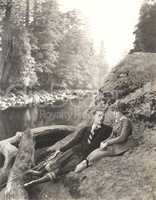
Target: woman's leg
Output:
[{"x": 95, "y": 155}]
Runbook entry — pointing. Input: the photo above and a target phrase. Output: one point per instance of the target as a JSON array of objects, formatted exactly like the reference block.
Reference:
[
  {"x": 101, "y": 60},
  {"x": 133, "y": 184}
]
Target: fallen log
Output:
[
  {"x": 49, "y": 135},
  {"x": 25, "y": 158},
  {"x": 43, "y": 136}
]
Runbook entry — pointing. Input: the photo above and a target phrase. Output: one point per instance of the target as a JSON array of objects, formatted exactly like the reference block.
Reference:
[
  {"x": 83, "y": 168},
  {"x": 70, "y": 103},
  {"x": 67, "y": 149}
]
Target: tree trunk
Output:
[
  {"x": 43, "y": 136},
  {"x": 23, "y": 162},
  {"x": 27, "y": 13},
  {"x": 6, "y": 46}
]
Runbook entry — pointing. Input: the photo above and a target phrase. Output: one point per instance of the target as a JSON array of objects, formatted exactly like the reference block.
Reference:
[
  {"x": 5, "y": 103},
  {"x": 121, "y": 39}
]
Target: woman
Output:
[{"x": 117, "y": 144}]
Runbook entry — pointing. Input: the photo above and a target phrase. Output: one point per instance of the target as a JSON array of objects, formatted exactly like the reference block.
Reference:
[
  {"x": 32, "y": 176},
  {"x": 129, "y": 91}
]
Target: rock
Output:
[{"x": 133, "y": 81}]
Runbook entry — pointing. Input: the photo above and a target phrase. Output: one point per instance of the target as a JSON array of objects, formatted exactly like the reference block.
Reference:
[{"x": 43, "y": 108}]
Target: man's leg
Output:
[
  {"x": 51, "y": 165},
  {"x": 35, "y": 172},
  {"x": 54, "y": 170},
  {"x": 51, "y": 176}
]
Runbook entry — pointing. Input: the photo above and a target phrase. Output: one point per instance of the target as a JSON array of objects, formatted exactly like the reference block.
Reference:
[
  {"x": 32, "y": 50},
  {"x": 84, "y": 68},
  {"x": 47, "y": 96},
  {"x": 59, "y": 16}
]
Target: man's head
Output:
[{"x": 98, "y": 117}]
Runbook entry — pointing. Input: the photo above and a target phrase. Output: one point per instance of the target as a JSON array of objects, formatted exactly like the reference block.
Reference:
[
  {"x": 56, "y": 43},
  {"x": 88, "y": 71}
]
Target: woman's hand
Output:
[{"x": 103, "y": 145}]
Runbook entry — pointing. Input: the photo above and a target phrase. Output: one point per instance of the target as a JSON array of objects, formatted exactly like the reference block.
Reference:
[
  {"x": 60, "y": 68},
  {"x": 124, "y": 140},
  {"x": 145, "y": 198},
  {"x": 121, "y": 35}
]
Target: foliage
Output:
[
  {"x": 18, "y": 62},
  {"x": 48, "y": 45},
  {"x": 145, "y": 33},
  {"x": 75, "y": 52}
]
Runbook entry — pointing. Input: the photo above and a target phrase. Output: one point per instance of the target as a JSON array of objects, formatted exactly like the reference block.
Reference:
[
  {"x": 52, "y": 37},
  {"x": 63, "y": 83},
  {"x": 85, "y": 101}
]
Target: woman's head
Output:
[{"x": 119, "y": 107}]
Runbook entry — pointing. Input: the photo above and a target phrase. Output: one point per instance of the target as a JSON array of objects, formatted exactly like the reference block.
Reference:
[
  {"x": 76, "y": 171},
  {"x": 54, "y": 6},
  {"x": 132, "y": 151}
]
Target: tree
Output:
[
  {"x": 101, "y": 65},
  {"x": 6, "y": 43},
  {"x": 75, "y": 54},
  {"x": 46, "y": 35},
  {"x": 145, "y": 33},
  {"x": 16, "y": 49},
  {"x": 40, "y": 42}
]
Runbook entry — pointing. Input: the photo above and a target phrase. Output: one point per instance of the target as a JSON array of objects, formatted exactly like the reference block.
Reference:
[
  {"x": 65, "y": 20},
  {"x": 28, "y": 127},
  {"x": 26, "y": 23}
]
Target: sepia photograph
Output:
[{"x": 77, "y": 100}]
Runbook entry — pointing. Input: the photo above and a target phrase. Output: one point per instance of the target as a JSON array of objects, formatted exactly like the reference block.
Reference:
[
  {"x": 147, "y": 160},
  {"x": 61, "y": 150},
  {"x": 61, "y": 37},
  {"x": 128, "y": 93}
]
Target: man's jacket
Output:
[{"x": 80, "y": 143}]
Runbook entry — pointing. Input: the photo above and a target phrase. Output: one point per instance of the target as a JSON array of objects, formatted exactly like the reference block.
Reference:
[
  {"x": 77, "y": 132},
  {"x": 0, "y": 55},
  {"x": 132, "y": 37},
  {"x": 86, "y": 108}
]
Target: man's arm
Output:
[
  {"x": 74, "y": 141},
  {"x": 125, "y": 130}
]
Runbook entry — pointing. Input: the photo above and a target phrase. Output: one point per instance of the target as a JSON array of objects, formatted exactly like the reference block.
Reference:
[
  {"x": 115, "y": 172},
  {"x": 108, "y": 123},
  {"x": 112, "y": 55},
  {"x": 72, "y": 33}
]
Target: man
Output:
[{"x": 70, "y": 155}]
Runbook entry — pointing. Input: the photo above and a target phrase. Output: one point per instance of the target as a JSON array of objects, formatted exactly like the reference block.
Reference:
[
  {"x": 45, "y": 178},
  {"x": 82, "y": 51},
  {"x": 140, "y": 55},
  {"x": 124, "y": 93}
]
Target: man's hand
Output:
[
  {"x": 57, "y": 152},
  {"x": 103, "y": 145}
]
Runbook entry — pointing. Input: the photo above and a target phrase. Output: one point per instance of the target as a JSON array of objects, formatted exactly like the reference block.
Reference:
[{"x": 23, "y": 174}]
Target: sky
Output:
[{"x": 110, "y": 21}]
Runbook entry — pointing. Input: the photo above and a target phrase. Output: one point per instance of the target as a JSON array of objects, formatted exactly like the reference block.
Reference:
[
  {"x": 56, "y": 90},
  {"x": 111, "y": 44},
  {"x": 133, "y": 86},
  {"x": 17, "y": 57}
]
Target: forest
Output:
[{"x": 46, "y": 49}]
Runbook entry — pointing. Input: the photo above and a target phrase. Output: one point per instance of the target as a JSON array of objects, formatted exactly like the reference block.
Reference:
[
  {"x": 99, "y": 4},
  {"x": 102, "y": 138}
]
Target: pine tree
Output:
[
  {"x": 6, "y": 37},
  {"x": 76, "y": 52},
  {"x": 16, "y": 49},
  {"x": 102, "y": 66},
  {"x": 46, "y": 35},
  {"x": 145, "y": 34}
]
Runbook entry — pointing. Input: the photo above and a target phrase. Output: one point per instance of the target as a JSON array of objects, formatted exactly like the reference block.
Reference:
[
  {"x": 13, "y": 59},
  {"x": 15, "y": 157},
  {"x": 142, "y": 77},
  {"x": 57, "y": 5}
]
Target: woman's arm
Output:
[
  {"x": 125, "y": 131},
  {"x": 74, "y": 141},
  {"x": 110, "y": 137}
]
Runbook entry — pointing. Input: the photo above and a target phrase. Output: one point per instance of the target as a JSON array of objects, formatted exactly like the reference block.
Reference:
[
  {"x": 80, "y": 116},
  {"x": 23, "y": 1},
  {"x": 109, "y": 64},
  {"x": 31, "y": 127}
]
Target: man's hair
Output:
[{"x": 100, "y": 108}]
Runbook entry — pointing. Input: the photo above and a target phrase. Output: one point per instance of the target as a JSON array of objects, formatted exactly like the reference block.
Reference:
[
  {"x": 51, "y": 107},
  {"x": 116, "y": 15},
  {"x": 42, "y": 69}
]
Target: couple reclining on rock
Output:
[{"x": 90, "y": 144}]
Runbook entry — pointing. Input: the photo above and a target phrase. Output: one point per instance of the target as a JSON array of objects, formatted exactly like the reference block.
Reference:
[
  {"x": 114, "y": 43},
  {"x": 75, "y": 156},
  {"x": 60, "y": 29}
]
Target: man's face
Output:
[{"x": 98, "y": 118}]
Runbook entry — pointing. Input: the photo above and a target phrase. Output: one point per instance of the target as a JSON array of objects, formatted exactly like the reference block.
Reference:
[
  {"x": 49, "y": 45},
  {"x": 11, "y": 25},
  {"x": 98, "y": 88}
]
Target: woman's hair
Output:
[{"x": 119, "y": 106}]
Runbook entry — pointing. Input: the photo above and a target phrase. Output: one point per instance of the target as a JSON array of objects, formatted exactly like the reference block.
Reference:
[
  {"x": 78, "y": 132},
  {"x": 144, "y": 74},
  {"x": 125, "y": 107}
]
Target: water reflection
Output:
[{"x": 12, "y": 119}]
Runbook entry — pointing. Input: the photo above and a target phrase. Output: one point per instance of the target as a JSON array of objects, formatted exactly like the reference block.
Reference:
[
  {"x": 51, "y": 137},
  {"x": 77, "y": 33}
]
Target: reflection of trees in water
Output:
[
  {"x": 71, "y": 113},
  {"x": 12, "y": 119}
]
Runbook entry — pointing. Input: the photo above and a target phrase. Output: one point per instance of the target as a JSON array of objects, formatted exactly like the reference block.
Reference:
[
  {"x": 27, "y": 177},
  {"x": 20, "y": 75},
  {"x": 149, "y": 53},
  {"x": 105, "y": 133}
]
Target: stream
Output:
[{"x": 71, "y": 112}]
